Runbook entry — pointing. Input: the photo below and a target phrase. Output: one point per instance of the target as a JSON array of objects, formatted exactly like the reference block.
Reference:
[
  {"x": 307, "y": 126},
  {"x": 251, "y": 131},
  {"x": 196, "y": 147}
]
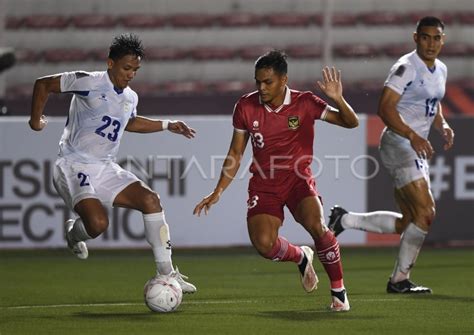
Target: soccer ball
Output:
[{"x": 162, "y": 294}]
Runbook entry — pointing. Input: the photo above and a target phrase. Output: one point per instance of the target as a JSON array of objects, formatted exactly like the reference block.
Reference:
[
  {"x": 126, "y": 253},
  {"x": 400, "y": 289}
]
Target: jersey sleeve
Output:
[
  {"x": 317, "y": 107},
  {"x": 401, "y": 76},
  {"x": 77, "y": 82},
  {"x": 238, "y": 120},
  {"x": 135, "y": 104}
]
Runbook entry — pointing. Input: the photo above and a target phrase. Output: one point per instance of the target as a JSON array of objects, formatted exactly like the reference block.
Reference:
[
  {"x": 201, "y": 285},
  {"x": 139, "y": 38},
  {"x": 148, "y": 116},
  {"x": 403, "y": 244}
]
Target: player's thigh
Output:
[
  {"x": 93, "y": 214},
  {"x": 112, "y": 181},
  {"x": 309, "y": 213},
  {"x": 263, "y": 231},
  {"x": 138, "y": 196}
]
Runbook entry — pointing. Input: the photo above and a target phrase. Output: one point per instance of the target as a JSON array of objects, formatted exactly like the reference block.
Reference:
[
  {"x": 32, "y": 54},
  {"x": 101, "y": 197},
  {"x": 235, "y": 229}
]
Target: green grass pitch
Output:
[{"x": 51, "y": 292}]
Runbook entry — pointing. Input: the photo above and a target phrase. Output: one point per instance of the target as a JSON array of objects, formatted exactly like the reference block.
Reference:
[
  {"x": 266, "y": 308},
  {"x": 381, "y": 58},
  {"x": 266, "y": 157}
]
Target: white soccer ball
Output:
[{"x": 162, "y": 294}]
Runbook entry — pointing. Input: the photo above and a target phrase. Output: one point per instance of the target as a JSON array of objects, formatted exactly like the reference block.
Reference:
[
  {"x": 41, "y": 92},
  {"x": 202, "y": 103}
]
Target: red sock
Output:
[
  {"x": 327, "y": 248},
  {"x": 284, "y": 251}
]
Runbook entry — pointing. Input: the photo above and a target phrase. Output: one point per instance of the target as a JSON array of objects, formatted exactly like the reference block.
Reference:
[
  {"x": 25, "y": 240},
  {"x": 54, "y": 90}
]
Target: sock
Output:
[
  {"x": 382, "y": 222},
  {"x": 78, "y": 233},
  {"x": 410, "y": 244},
  {"x": 327, "y": 248},
  {"x": 157, "y": 234},
  {"x": 284, "y": 251}
]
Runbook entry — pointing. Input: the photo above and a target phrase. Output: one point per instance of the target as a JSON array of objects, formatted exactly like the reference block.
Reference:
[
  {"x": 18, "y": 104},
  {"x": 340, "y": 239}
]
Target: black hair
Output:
[
  {"x": 429, "y": 21},
  {"x": 275, "y": 59},
  {"x": 126, "y": 44}
]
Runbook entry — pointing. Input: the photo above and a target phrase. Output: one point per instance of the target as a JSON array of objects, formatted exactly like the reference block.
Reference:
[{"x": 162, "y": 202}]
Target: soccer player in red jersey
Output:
[{"x": 280, "y": 123}]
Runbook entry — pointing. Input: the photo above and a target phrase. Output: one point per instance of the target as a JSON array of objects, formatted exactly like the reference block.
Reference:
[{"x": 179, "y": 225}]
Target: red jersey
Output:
[{"x": 282, "y": 139}]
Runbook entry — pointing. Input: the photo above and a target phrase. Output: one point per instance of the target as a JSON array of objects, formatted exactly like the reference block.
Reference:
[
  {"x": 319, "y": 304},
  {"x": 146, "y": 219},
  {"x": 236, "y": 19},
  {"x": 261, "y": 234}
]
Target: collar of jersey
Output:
[
  {"x": 287, "y": 101},
  {"x": 116, "y": 89},
  {"x": 418, "y": 59}
]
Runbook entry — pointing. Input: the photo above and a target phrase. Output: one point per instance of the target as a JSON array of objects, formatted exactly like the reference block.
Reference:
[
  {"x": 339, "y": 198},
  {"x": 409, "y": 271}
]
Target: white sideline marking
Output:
[{"x": 204, "y": 302}]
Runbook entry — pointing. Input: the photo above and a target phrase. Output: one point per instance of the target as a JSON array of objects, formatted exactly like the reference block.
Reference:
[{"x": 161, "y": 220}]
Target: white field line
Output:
[
  {"x": 197, "y": 302},
  {"x": 114, "y": 304}
]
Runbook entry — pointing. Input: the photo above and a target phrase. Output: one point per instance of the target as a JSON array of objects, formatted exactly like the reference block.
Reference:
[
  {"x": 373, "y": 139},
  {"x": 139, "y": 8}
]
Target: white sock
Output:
[
  {"x": 382, "y": 222},
  {"x": 410, "y": 244},
  {"x": 158, "y": 235},
  {"x": 78, "y": 233}
]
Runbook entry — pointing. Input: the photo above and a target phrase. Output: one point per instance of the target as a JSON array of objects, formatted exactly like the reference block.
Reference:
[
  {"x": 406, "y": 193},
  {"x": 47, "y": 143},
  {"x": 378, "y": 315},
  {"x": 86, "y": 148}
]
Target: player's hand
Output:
[
  {"x": 206, "y": 203},
  {"x": 179, "y": 127},
  {"x": 422, "y": 147},
  {"x": 38, "y": 125},
  {"x": 332, "y": 84},
  {"x": 448, "y": 135}
]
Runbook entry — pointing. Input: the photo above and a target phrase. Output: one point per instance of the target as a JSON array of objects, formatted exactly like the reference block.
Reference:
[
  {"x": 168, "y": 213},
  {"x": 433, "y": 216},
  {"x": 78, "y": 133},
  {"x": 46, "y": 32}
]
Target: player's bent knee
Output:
[
  {"x": 264, "y": 246},
  {"x": 425, "y": 217},
  {"x": 97, "y": 226},
  {"x": 150, "y": 203}
]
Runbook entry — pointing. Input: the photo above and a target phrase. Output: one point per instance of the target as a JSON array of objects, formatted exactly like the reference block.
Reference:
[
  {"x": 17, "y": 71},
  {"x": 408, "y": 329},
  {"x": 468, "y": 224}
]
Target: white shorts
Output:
[
  {"x": 402, "y": 163},
  {"x": 76, "y": 181}
]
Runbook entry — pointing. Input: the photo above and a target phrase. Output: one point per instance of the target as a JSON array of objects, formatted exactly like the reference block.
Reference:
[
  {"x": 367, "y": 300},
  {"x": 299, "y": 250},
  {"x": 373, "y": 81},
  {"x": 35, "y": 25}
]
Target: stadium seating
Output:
[
  {"x": 466, "y": 18},
  {"x": 45, "y": 22},
  {"x": 185, "y": 39},
  {"x": 142, "y": 21},
  {"x": 238, "y": 19},
  {"x": 192, "y": 21},
  {"x": 382, "y": 18},
  {"x": 290, "y": 20},
  {"x": 65, "y": 55},
  {"x": 165, "y": 53},
  {"x": 94, "y": 21}
]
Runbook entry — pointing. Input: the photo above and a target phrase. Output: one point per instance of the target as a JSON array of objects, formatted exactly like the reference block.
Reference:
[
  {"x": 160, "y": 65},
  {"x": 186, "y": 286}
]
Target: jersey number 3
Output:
[
  {"x": 112, "y": 136},
  {"x": 257, "y": 140}
]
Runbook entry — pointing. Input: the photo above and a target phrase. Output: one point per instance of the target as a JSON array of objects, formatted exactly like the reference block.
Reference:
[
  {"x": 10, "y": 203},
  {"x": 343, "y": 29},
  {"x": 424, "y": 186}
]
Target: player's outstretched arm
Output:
[
  {"x": 443, "y": 128},
  {"x": 332, "y": 87},
  {"x": 43, "y": 87},
  {"x": 229, "y": 170},
  {"x": 141, "y": 124}
]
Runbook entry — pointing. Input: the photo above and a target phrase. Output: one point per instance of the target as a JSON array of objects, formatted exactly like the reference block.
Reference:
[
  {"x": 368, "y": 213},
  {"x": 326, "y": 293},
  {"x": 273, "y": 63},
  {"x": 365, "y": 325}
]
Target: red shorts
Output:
[{"x": 269, "y": 196}]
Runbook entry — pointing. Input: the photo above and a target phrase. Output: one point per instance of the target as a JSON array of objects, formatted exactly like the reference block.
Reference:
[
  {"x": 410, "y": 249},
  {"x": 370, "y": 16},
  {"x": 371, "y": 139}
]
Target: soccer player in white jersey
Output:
[
  {"x": 409, "y": 105},
  {"x": 85, "y": 174}
]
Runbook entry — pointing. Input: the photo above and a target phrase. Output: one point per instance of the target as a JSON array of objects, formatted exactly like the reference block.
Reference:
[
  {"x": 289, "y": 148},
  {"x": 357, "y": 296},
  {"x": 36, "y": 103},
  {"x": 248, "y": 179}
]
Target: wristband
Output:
[{"x": 164, "y": 124}]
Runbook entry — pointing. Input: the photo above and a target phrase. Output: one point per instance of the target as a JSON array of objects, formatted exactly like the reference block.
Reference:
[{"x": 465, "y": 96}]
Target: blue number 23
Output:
[{"x": 112, "y": 136}]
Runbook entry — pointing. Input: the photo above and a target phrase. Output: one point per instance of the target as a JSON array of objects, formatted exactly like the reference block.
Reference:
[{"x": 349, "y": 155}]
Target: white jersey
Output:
[
  {"x": 421, "y": 90},
  {"x": 98, "y": 115}
]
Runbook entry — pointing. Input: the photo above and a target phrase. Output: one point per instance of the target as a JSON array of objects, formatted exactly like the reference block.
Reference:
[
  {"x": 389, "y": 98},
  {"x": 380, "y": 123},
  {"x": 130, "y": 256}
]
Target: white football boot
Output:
[
  {"x": 80, "y": 248},
  {"x": 340, "y": 303},
  {"x": 309, "y": 278},
  {"x": 180, "y": 278}
]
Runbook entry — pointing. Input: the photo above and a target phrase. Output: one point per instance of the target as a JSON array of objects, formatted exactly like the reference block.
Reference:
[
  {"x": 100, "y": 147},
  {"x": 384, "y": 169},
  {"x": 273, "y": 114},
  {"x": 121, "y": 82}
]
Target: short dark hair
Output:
[
  {"x": 275, "y": 59},
  {"x": 429, "y": 21},
  {"x": 126, "y": 44}
]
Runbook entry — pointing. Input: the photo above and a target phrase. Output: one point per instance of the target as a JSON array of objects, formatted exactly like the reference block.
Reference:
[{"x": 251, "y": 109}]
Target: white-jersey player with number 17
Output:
[
  {"x": 85, "y": 174},
  {"x": 409, "y": 105}
]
